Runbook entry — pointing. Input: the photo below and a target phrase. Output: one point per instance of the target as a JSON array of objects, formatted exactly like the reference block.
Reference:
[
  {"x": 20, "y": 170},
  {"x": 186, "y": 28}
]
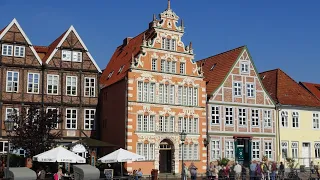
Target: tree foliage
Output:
[{"x": 35, "y": 130}]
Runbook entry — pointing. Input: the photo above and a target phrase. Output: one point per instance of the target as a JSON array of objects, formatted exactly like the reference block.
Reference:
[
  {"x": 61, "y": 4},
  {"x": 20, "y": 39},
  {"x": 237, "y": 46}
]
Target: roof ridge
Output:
[
  {"x": 222, "y": 53},
  {"x": 268, "y": 71}
]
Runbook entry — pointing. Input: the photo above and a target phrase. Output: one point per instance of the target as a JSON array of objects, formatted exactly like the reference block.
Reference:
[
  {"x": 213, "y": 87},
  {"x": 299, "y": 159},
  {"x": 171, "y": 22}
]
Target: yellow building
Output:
[{"x": 298, "y": 123}]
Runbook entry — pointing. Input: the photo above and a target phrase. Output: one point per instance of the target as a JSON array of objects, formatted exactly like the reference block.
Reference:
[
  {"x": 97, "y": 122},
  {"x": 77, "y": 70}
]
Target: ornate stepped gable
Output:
[{"x": 285, "y": 91}]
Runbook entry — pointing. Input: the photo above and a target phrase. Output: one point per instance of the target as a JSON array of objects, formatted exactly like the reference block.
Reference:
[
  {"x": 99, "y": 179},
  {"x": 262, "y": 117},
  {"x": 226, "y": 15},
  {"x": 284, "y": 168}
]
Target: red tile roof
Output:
[
  {"x": 284, "y": 90},
  {"x": 41, "y": 49},
  {"x": 2, "y": 29},
  {"x": 312, "y": 88},
  {"x": 122, "y": 57},
  {"x": 222, "y": 63}
]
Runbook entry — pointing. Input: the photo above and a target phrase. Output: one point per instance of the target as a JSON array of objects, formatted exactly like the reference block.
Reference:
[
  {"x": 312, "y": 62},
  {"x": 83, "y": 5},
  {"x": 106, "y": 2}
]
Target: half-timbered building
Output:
[
  {"x": 241, "y": 123},
  {"x": 152, "y": 91},
  {"x": 63, "y": 76}
]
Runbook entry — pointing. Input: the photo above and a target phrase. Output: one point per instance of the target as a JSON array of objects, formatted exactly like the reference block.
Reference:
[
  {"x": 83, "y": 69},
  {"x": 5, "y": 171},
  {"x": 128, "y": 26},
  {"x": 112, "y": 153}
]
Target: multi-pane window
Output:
[
  {"x": 169, "y": 44},
  {"x": 244, "y": 67},
  {"x": 182, "y": 68},
  {"x": 189, "y": 125},
  {"x": 52, "y": 83},
  {"x": 317, "y": 149},
  {"x": 71, "y": 118},
  {"x": 315, "y": 121},
  {"x": 71, "y": 85},
  {"x": 173, "y": 67},
  {"x": 215, "y": 115},
  {"x": 3, "y": 147},
  {"x": 167, "y": 66},
  {"x": 172, "y": 96},
  {"x": 267, "y": 118},
  {"x": 284, "y": 118},
  {"x": 33, "y": 82},
  {"x": 75, "y": 56},
  {"x": 89, "y": 87},
  {"x": 146, "y": 123},
  {"x": 10, "y": 112},
  {"x": 242, "y": 116},
  {"x": 154, "y": 65},
  {"x": 255, "y": 150},
  {"x": 237, "y": 88},
  {"x": 89, "y": 118},
  {"x": 56, "y": 111},
  {"x": 295, "y": 119},
  {"x": 162, "y": 65},
  {"x": 146, "y": 150},
  {"x": 215, "y": 149},
  {"x": 229, "y": 151},
  {"x": 294, "y": 149},
  {"x": 284, "y": 149},
  {"x": 166, "y": 123},
  {"x": 250, "y": 90},
  {"x": 146, "y": 91},
  {"x": 268, "y": 149},
  {"x": 6, "y": 50},
  {"x": 255, "y": 117},
  {"x": 166, "y": 93},
  {"x": 19, "y": 51},
  {"x": 187, "y": 96},
  {"x": 229, "y": 115},
  {"x": 12, "y": 81},
  {"x": 190, "y": 152}
]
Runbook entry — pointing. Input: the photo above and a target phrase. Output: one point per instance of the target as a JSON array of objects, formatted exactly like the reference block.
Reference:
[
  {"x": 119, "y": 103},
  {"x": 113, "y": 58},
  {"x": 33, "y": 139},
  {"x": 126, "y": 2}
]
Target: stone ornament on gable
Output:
[
  {"x": 146, "y": 109},
  {"x": 154, "y": 56},
  {"x": 146, "y": 76},
  {"x": 167, "y": 110},
  {"x": 169, "y": 56},
  {"x": 169, "y": 14}
]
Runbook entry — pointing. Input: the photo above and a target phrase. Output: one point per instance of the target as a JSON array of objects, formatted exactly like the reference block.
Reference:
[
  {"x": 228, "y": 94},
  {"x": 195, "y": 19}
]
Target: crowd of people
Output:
[{"x": 257, "y": 171}]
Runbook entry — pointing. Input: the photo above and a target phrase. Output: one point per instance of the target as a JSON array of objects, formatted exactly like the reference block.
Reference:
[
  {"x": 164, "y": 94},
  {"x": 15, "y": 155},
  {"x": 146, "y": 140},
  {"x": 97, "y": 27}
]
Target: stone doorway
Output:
[{"x": 166, "y": 156}]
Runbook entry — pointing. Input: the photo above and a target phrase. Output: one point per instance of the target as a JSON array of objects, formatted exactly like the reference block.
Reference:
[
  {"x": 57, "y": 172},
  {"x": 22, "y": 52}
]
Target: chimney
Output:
[{"x": 126, "y": 41}]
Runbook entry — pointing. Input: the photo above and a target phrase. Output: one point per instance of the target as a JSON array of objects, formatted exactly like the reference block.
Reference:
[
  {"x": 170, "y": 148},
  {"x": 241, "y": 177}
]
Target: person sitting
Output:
[{"x": 138, "y": 174}]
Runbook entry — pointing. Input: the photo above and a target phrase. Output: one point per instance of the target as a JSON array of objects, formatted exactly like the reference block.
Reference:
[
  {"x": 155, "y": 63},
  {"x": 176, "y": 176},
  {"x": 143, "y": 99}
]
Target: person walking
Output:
[
  {"x": 258, "y": 171},
  {"x": 281, "y": 170},
  {"x": 273, "y": 171},
  {"x": 185, "y": 173},
  {"x": 253, "y": 167},
  {"x": 237, "y": 169},
  {"x": 193, "y": 171}
]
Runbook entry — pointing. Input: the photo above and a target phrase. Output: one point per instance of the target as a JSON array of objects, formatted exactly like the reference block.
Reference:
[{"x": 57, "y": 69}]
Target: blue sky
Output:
[{"x": 279, "y": 34}]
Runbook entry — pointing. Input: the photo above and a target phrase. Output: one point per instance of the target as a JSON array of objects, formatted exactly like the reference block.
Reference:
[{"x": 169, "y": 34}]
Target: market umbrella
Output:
[
  {"x": 59, "y": 154},
  {"x": 121, "y": 155}
]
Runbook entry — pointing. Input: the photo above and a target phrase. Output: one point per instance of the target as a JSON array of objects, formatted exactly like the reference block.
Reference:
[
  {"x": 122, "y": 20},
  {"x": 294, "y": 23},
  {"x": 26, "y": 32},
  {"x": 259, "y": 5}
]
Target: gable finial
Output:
[
  {"x": 154, "y": 17},
  {"x": 182, "y": 23},
  {"x": 169, "y": 5},
  {"x": 190, "y": 45},
  {"x": 132, "y": 59}
]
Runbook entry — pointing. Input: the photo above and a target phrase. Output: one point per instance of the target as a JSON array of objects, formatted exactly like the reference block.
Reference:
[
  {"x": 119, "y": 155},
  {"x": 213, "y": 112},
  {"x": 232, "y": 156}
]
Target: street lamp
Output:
[
  {"x": 206, "y": 142},
  {"x": 182, "y": 138},
  {"x": 9, "y": 125}
]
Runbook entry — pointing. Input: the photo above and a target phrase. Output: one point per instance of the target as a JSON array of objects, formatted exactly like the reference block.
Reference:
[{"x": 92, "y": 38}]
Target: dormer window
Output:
[
  {"x": 169, "y": 44},
  {"x": 75, "y": 56},
  {"x": 110, "y": 74},
  {"x": 120, "y": 69}
]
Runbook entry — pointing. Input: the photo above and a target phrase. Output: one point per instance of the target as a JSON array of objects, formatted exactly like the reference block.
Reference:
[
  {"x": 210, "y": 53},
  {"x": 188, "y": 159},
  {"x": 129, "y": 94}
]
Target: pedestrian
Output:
[
  {"x": 258, "y": 171},
  {"x": 226, "y": 171},
  {"x": 193, "y": 171},
  {"x": 243, "y": 172},
  {"x": 237, "y": 169},
  {"x": 312, "y": 167},
  {"x": 281, "y": 170},
  {"x": 253, "y": 167},
  {"x": 185, "y": 173},
  {"x": 273, "y": 171},
  {"x": 211, "y": 171}
]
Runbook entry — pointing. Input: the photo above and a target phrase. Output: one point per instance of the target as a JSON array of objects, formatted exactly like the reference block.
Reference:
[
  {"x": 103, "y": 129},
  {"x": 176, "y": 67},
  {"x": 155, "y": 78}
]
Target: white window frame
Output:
[
  {"x": 152, "y": 92},
  {"x": 13, "y": 82},
  {"x": 172, "y": 94},
  {"x": 149, "y": 154},
  {"x": 215, "y": 149},
  {"x": 71, "y": 119},
  {"x": 315, "y": 121},
  {"x": 71, "y": 81},
  {"x": 237, "y": 88},
  {"x": 284, "y": 149},
  {"x": 20, "y": 53},
  {"x": 215, "y": 115},
  {"x": 180, "y": 90},
  {"x": 6, "y": 53},
  {"x": 295, "y": 149},
  {"x": 70, "y": 55},
  {"x": 255, "y": 117},
  {"x": 250, "y": 90},
  {"x": 244, "y": 67},
  {"x": 242, "y": 116},
  {"x": 140, "y": 91},
  {"x": 78, "y": 55},
  {"x": 4, "y": 147},
  {"x": 229, "y": 149},
  {"x": 255, "y": 150},
  {"x": 89, "y": 89},
  {"x": 229, "y": 120},
  {"x": 154, "y": 64},
  {"x": 54, "y": 77},
  {"x": 173, "y": 67},
  {"x": 268, "y": 149},
  {"x": 145, "y": 123},
  {"x": 267, "y": 118},
  {"x": 284, "y": 119},
  {"x": 182, "y": 68},
  {"x": 52, "y": 108},
  {"x": 295, "y": 119},
  {"x": 317, "y": 149},
  {"x": 33, "y": 83},
  {"x": 90, "y": 121},
  {"x": 163, "y": 65},
  {"x": 195, "y": 96}
]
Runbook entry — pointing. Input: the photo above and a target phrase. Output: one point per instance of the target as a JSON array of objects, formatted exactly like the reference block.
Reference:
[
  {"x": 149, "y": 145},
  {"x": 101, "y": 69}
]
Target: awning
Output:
[{"x": 93, "y": 143}]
